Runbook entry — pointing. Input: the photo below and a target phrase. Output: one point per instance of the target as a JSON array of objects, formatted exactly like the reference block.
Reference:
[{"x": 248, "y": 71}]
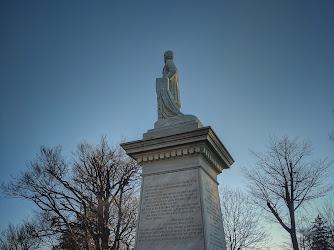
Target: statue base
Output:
[
  {"x": 173, "y": 125},
  {"x": 179, "y": 200}
]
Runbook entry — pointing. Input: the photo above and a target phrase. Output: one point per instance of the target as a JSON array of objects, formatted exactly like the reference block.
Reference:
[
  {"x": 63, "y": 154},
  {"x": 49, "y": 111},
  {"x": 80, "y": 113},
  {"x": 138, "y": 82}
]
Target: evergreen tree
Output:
[{"x": 320, "y": 235}]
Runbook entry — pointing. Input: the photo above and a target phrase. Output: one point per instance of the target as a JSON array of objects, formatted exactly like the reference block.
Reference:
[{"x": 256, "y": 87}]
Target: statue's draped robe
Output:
[
  {"x": 166, "y": 106},
  {"x": 170, "y": 71}
]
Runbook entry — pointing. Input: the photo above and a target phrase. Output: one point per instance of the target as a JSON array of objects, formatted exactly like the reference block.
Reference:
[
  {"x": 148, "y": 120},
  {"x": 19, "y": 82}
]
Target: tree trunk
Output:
[
  {"x": 119, "y": 221},
  {"x": 294, "y": 240},
  {"x": 105, "y": 238},
  {"x": 292, "y": 209},
  {"x": 293, "y": 233},
  {"x": 96, "y": 239}
]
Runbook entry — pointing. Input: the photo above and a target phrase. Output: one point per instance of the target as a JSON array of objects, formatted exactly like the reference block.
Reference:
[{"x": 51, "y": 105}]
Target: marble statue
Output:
[
  {"x": 168, "y": 94},
  {"x": 170, "y": 71},
  {"x": 170, "y": 119}
]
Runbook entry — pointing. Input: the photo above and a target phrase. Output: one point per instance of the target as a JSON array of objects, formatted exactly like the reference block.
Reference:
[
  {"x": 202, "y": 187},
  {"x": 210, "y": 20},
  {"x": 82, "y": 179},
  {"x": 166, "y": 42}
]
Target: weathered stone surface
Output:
[
  {"x": 214, "y": 233},
  {"x": 171, "y": 73},
  {"x": 179, "y": 201},
  {"x": 178, "y": 120},
  {"x": 180, "y": 209},
  {"x": 170, "y": 212},
  {"x": 167, "y": 107},
  {"x": 179, "y": 204},
  {"x": 173, "y": 125},
  {"x": 202, "y": 141}
]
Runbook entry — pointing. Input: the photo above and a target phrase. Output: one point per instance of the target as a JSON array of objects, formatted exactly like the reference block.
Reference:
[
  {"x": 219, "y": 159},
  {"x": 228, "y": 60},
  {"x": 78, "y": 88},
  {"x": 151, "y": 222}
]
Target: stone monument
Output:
[{"x": 180, "y": 159}]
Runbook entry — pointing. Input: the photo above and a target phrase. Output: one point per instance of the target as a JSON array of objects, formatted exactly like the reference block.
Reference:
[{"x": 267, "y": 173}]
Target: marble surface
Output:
[
  {"x": 171, "y": 73},
  {"x": 170, "y": 212},
  {"x": 179, "y": 202},
  {"x": 166, "y": 104}
]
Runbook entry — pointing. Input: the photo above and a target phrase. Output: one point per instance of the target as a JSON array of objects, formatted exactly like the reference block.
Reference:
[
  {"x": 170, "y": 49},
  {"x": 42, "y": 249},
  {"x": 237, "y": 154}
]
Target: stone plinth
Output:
[{"x": 179, "y": 201}]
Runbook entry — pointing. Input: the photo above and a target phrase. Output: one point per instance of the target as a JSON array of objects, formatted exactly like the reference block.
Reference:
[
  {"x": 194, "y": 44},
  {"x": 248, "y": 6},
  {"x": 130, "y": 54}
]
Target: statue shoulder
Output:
[{"x": 170, "y": 64}]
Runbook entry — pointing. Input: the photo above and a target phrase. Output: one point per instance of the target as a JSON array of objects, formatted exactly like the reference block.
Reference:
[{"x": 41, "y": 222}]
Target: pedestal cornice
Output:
[{"x": 201, "y": 141}]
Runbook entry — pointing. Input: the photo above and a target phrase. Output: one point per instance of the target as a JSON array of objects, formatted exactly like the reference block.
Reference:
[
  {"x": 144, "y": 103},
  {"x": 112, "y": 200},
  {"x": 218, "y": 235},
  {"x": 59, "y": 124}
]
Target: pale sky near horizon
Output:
[{"x": 74, "y": 70}]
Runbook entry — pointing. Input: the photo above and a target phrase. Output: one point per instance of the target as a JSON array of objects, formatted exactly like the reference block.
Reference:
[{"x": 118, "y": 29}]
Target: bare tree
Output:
[
  {"x": 22, "y": 237},
  {"x": 79, "y": 198},
  {"x": 284, "y": 179},
  {"x": 242, "y": 225},
  {"x": 124, "y": 225}
]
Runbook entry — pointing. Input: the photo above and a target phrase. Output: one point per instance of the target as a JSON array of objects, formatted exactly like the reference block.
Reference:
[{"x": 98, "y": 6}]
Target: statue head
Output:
[{"x": 168, "y": 55}]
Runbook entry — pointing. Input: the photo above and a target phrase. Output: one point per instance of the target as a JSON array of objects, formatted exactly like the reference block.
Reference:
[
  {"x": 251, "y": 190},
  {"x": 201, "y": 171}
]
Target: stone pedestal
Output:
[{"x": 179, "y": 201}]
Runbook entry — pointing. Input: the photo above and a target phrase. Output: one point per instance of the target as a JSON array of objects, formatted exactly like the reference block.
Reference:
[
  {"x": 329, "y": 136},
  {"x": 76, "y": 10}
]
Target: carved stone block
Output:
[{"x": 179, "y": 201}]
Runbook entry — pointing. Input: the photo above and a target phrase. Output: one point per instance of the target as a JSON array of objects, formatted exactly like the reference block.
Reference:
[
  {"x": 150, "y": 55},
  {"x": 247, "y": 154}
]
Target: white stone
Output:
[
  {"x": 179, "y": 202},
  {"x": 170, "y": 212},
  {"x": 173, "y": 125},
  {"x": 167, "y": 107},
  {"x": 171, "y": 73}
]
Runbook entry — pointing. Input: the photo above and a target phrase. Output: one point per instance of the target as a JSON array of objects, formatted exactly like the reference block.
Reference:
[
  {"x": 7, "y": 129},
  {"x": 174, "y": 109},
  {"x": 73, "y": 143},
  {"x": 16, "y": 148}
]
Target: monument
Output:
[{"x": 179, "y": 201}]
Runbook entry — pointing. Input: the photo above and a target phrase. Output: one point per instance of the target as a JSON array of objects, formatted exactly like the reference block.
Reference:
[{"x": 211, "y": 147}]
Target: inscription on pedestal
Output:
[
  {"x": 215, "y": 230},
  {"x": 170, "y": 208}
]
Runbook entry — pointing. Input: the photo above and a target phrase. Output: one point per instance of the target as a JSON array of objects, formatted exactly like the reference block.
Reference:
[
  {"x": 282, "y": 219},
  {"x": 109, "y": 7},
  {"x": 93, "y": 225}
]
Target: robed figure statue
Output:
[
  {"x": 170, "y": 71},
  {"x": 169, "y": 103},
  {"x": 168, "y": 93}
]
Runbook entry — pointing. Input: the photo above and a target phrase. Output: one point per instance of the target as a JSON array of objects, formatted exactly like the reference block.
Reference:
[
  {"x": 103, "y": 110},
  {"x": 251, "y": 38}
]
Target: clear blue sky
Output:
[{"x": 74, "y": 70}]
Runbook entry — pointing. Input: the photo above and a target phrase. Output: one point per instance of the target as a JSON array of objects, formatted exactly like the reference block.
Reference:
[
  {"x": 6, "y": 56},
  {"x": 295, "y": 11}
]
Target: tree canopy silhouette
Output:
[
  {"x": 89, "y": 202},
  {"x": 285, "y": 178}
]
